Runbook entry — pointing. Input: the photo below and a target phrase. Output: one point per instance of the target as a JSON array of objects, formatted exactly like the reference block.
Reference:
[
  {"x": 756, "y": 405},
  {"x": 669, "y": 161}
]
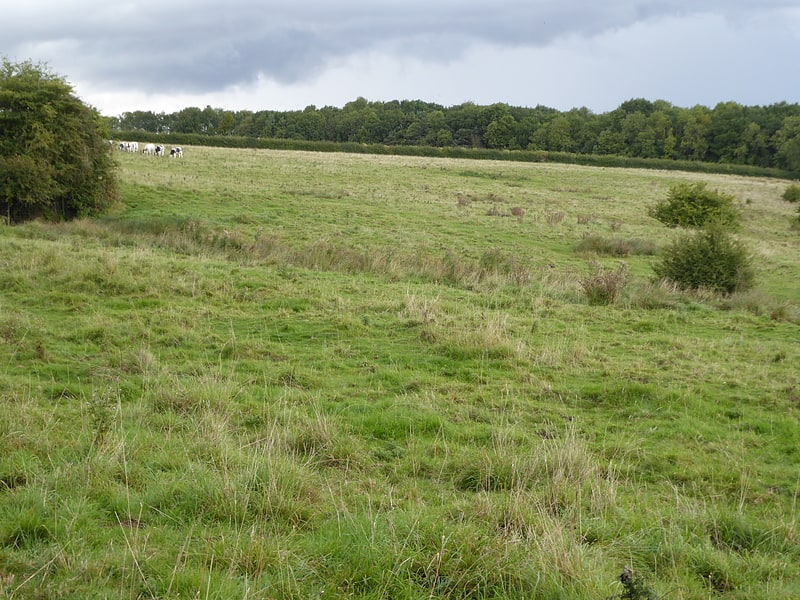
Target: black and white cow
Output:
[{"x": 176, "y": 152}]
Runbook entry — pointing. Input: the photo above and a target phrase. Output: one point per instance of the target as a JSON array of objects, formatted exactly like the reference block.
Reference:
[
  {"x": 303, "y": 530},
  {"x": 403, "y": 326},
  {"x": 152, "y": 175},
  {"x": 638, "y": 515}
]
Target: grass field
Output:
[{"x": 295, "y": 375}]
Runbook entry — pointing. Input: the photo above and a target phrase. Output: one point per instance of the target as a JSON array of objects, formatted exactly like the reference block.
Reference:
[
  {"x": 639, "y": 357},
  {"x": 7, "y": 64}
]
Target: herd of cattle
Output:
[{"x": 150, "y": 149}]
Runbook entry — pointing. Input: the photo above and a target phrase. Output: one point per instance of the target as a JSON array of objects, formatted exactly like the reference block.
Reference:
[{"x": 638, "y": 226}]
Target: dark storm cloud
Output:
[{"x": 203, "y": 45}]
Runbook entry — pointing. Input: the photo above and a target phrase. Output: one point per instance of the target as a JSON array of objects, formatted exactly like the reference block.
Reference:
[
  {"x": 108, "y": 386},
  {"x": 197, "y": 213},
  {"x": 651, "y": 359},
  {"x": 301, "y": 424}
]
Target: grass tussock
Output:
[
  {"x": 616, "y": 247},
  {"x": 605, "y": 286}
]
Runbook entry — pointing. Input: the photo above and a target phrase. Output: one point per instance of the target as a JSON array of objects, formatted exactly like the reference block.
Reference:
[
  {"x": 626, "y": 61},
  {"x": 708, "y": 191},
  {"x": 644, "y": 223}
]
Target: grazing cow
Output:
[
  {"x": 159, "y": 150},
  {"x": 149, "y": 149},
  {"x": 176, "y": 152}
]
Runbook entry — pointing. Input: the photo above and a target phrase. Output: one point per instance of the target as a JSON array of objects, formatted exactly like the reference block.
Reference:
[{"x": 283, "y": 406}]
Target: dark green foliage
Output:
[
  {"x": 694, "y": 205},
  {"x": 707, "y": 259},
  {"x": 792, "y": 193},
  {"x": 55, "y": 159},
  {"x": 635, "y": 587}
]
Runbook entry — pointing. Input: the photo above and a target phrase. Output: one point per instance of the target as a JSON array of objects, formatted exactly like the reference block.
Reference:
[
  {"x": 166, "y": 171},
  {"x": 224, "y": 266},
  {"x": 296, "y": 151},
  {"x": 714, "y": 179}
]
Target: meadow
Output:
[{"x": 274, "y": 374}]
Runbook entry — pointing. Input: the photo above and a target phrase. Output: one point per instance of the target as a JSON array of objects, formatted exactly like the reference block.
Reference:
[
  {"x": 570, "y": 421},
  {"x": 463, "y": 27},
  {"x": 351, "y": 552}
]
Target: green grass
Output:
[{"x": 291, "y": 375}]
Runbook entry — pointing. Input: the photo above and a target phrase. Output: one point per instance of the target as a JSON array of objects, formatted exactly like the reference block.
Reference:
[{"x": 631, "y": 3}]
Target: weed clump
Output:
[
  {"x": 554, "y": 217},
  {"x": 708, "y": 259},
  {"x": 619, "y": 247},
  {"x": 694, "y": 205},
  {"x": 604, "y": 286},
  {"x": 634, "y": 586}
]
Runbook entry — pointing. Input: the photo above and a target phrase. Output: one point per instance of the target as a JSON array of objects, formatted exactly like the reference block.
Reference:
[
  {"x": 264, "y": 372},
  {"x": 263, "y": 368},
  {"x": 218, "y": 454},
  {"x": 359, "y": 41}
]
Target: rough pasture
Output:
[{"x": 275, "y": 374}]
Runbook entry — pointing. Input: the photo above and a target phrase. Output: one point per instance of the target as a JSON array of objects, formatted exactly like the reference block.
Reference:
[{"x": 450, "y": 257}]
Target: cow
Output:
[
  {"x": 176, "y": 152},
  {"x": 149, "y": 149},
  {"x": 159, "y": 150}
]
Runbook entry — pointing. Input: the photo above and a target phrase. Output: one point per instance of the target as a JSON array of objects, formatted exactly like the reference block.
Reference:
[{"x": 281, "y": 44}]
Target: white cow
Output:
[{"x": 149, "y": 149}]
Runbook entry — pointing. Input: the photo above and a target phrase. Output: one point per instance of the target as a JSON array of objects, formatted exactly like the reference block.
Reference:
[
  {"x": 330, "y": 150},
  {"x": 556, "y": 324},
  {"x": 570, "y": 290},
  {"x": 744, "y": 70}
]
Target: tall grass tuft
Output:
[
  {"x": 617, "y": 247},
  {"x": 604, "y": 286}
]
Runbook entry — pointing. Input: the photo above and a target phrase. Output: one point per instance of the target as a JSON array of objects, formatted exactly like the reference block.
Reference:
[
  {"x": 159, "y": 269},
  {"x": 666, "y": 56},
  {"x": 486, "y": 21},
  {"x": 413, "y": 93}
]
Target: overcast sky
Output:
[{"x": 165, "y": 55}]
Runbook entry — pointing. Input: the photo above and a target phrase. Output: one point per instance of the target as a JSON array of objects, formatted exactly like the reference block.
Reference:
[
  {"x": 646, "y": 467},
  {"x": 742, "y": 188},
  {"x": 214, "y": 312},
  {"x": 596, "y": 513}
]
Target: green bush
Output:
[
  {"x": 792, "y": 193},
  {"x": 55, "y": 160},
  {"x": 694, "y": 205},
  {"x": 707, "y": 259}
]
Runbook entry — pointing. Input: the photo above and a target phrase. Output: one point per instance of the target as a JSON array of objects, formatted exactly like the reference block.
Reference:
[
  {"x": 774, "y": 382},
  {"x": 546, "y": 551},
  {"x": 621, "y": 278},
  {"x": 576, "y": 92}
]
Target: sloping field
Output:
[{"x": 296, "y": 375}]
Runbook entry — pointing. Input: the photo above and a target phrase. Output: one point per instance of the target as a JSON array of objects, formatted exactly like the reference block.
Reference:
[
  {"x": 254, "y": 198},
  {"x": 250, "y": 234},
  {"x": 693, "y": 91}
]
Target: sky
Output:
[{"x": 166, "y": 55}]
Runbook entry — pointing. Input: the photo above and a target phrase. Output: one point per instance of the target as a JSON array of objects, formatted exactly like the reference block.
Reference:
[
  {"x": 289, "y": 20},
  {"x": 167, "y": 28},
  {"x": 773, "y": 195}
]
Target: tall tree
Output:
[
  {"x": 55, "y": 158},
  {"x": 728, "y": 123},
  {"x": 695, "y": 132},
  {"x": 787, "y": 140}
]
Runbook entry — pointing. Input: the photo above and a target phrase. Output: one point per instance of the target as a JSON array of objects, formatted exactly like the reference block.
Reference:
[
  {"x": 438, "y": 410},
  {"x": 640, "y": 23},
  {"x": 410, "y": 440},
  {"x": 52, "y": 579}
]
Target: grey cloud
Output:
[{"x": 207, "y": 45}]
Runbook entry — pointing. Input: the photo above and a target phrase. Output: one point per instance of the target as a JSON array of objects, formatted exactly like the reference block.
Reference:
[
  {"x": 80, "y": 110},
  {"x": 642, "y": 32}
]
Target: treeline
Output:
[{"x": 729, "y": 133}]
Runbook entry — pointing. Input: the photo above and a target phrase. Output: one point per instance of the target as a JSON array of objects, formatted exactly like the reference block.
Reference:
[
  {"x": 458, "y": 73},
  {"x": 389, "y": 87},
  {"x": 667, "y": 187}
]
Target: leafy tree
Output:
[
  {"x": 500, "y": 132},
  {"x": 227, "y": 123},
  {"x": 696, "y": 125},
  {"x": 610, "y": 142},
  {"x": 787, "y": 140},
  {"x": 728, "y": 123},
  {"x": 189, "y": 120},
  {"x": 555, "y": 135},
  {"x": 55, "y": 158}
]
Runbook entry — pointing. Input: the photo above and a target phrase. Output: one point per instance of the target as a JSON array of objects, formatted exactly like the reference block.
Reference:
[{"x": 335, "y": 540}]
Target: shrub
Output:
[
  {"x": 792, "y": 193},
  {"x": 694, "y": 205},
  {"x": 711, "y": 258},
  {"x": 604, "y": 286},
  {"x": 55, "y": 160}
]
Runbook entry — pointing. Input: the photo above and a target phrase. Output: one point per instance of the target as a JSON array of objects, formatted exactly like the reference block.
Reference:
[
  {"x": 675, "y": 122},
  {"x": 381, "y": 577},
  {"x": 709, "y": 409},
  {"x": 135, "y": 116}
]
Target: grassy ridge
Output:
[
  {"x": 593, "y": 160},
  {"x": 278, "y": 374}
]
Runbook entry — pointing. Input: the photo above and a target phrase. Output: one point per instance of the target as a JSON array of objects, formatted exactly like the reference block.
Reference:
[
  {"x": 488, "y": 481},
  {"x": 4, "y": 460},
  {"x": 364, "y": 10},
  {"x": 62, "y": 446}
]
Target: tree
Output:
[
  {"x": 695, "y": 124},
  {"x": 500, "y": 132},
  {"x": 787, "y": 140},
  {"x": 726, "y": 130},
  {"x": 55, "y": 158}
]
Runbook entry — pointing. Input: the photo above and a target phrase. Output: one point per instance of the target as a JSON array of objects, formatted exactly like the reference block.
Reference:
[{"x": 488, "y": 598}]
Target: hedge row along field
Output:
[{"x": 273, "y": 374}]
